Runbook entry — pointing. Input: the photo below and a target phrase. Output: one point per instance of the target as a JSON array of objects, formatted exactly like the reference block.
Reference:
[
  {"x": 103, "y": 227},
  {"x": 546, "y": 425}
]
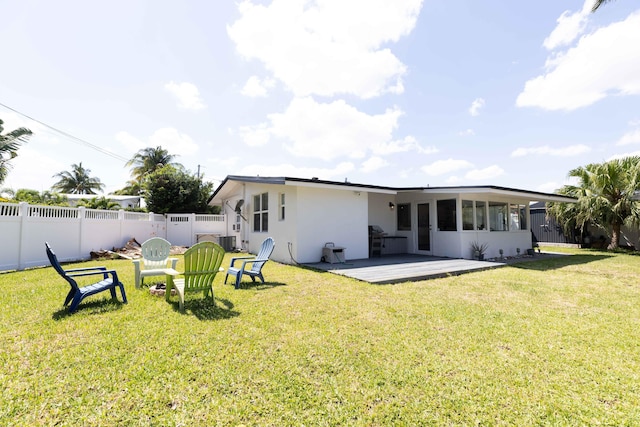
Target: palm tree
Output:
[
  {"x": 147, "y": 160},
  {"x": 9, "y": 144},
  {"x": 77, "y": 181},
  {"x": 605, "y": 194},
  {"x": 598, "y": 3}
]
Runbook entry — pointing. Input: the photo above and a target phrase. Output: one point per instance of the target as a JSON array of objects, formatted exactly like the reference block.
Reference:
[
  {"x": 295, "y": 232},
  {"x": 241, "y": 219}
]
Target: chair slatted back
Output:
[
  {"x": 201, "y": 264},
  {"x": 53, "y": 259},
  {"x": 155, "y": 253},
  {"x": 265, "y": 252}
]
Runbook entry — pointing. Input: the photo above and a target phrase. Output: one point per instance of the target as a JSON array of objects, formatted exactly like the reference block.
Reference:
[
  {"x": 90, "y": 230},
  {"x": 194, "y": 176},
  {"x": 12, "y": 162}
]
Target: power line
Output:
[{"x": 68, "y": 135}]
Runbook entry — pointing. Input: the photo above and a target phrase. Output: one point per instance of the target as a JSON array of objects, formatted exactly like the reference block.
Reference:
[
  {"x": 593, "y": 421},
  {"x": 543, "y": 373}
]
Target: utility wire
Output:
[{"x": 68, "y": 135}]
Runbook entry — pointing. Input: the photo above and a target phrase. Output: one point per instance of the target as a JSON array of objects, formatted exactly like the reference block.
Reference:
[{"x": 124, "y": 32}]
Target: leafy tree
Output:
[
  {"x": 174, "y": 190},
  {"x": 598, "y": 3},
  {"x": 148, "y": 160},
  {"x": 605, "y": 194},
  {"x": 9, "y": 144},
  {"x": 132, "y": 188},
  {"x": 77, "y": 181},
  {"x": 35, "y": 198},
  {"x": 99, "y": 203}
]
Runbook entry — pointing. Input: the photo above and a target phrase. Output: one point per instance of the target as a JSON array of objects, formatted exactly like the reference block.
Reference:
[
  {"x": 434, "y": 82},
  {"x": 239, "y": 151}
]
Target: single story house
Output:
[{"x": 305, "y": 216}]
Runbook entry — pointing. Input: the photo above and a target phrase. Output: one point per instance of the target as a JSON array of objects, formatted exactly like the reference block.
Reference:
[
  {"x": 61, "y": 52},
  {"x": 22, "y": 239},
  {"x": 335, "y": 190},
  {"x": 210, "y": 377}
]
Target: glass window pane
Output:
[
  {"x": 514, "y": 217},
  {"x": 265, "y": 201},
  {"x": 256, "y": 203},
  {"x": 404, "y": 216},
  {"x": 265, "y": 221},
  {"x": 467, "y": 215},
  {"x": 447, "y": 215},
  {"x": 498, "y": 214},
  {"x": 256, "y": 222},
  {"x": 523, "y": 217},
  {"x": 481, "y": 220}
]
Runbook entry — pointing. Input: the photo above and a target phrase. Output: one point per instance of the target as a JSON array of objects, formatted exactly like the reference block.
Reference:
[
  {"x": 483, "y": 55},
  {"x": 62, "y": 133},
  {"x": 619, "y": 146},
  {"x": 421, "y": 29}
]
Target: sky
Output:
[{"x": 406, "y": 93}]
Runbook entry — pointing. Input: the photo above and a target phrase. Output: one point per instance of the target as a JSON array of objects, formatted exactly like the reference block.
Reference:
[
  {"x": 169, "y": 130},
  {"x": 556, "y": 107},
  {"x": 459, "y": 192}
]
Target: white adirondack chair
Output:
[{"x": 155, "y": 260}]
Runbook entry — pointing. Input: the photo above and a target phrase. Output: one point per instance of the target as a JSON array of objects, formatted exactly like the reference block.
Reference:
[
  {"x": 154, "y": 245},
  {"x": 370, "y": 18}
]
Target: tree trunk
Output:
[{"x": 615, "y": 237}]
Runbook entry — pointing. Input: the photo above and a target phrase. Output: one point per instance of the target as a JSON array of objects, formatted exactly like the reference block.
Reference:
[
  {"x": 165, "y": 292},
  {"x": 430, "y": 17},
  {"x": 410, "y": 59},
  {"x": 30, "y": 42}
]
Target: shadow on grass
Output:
[
  {"x": 91, "y": 307},
  {"x": 259, "y": 285},
  {"x": 205, "y": 309},
  {"x": 559, "y": 261}
]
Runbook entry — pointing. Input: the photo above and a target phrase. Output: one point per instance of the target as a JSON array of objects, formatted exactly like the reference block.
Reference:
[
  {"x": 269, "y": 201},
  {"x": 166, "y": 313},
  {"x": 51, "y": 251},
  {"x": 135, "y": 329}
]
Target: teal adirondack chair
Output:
[
  {"x": 155, "y": 260},
  {"x": 256, "y": 263},
  {"x": 201, "y": 264}
]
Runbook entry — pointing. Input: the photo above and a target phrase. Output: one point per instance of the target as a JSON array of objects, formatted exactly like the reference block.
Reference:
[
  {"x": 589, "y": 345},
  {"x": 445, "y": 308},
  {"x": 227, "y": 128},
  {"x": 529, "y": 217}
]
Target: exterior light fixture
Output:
[{"x": 391, "y": 206}]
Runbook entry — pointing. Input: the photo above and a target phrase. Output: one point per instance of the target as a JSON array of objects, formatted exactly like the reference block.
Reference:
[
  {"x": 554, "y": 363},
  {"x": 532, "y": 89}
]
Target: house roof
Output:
[{"x": 228, "y": 185}]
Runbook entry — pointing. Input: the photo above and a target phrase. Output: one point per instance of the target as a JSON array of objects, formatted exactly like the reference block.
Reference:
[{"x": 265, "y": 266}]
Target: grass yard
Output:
[{"x": 553, "y": 342}]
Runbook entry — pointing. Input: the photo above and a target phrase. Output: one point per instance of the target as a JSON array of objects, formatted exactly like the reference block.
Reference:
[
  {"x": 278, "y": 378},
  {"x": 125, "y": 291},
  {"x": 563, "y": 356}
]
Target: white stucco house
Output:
[{"x": 304, "y": 215}]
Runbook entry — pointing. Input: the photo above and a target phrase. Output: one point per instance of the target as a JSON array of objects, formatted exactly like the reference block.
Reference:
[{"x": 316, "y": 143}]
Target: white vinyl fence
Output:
[{"x": 75, "y": 232}]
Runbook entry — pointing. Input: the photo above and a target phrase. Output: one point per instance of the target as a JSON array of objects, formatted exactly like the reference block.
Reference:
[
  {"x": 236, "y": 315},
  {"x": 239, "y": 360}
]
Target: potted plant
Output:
[{"x": 478, "y": 249}]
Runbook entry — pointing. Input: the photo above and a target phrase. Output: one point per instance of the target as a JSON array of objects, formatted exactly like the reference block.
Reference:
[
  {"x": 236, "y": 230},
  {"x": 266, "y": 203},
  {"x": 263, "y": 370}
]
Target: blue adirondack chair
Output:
[
  {"x": 77, "y": 293},
  {"x": 256, "y": 262}
]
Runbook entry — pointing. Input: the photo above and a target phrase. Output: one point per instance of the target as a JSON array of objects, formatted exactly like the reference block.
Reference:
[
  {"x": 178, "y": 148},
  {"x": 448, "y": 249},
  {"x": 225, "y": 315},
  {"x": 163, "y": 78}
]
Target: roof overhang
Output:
[{"x": 231, "y": 185}]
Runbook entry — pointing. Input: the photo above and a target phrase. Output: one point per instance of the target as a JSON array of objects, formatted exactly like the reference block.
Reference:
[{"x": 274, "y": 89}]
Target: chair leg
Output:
[
  {"x": 69, "y": 297},
  {"x": 124, "y": 296}
]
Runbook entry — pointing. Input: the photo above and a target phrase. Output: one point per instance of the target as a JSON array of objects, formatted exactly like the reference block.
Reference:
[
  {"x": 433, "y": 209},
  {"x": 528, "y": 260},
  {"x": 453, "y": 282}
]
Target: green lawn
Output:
[{"x": 553, "y": 342}]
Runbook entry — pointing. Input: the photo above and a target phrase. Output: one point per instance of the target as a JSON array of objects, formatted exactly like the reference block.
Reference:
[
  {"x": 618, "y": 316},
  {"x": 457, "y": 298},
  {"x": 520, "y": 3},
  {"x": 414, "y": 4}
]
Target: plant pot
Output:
[
  {"x": 530, "y": 252},
  {"x": 481, "y": 257}
]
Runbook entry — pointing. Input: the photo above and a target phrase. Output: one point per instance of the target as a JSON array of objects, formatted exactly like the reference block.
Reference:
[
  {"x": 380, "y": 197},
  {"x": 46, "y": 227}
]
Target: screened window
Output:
[
  {"x": 404, "y": 216},
  {"x": 481, "y": 216},
  {"x": 498, "y": 214},
  {"x": 467, "y": 215},
  {"x": 447, "y": 215},
  {"x": 261, "y": 212}
]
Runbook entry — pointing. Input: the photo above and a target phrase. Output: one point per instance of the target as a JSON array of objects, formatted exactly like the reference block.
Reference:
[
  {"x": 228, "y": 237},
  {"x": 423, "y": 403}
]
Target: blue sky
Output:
[{"x": 403, "y": 93}]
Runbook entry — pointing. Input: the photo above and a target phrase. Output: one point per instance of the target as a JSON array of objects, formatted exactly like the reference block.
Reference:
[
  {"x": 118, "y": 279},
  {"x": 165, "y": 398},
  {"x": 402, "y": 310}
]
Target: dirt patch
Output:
[{"x": 131, "y": 250}]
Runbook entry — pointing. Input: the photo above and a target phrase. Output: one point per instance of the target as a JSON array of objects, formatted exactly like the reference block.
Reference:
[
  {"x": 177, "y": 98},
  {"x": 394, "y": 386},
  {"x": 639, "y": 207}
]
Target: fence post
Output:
[
  {"x": 81, "y": 219},
  {"x": 24, "y": 212}
]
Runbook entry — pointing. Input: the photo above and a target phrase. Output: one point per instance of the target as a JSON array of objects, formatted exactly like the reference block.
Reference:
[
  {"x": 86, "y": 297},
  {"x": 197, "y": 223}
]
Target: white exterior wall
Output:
[
  {"x": 330, "y": 215},
  {"x": 381, "y": 214}
]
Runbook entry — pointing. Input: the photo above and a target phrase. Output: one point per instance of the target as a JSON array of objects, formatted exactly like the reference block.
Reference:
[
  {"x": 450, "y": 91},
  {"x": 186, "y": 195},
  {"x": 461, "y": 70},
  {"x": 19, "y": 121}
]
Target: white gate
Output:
[{"x": 179, "y": 229}]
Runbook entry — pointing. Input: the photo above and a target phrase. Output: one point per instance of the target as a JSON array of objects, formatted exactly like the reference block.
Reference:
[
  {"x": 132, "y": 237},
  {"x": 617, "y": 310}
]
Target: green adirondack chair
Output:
[{"x": 201, "y": 264}]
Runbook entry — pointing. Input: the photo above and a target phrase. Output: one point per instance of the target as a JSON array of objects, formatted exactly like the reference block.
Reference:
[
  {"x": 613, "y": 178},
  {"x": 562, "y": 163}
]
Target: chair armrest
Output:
[
  {"x": 251, "y": 261},
  {"x": 105, "y": 273},
  {"x": 74, "y": 270},
  {"x": 234, "y": 259}
]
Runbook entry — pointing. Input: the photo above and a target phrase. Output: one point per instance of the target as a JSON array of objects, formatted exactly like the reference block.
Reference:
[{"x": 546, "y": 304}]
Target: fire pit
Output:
[{"x": 160, "y": 290}]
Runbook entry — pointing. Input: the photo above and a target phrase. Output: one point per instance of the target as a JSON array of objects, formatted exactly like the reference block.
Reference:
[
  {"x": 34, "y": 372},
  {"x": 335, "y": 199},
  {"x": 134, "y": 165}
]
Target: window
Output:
[
  {"x": 481, "y": 216},
  {"x": 467, "y": 215},
  {"x": 261, "y": 212},
  {"x": 498, "y": 214},
  {"x": 518, "y": 217},
  {"x": 447, "y": 215},
  {"x": 281, "y": 207},
  {"x": 404, "y": 216}
]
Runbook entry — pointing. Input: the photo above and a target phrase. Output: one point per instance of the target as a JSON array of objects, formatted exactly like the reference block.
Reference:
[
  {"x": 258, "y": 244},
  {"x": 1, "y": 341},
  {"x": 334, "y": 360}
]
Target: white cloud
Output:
[
  {"x": 476, "y": 105},
  {"x": 340, "y": 170},
  {"x": 372, "y": 164},
  {"x": 170, "y": 139},
  {"x": 570, "y": 26},
  {"x": 173, "y": 141},
  {"x": 605, "y": 62},
  {"x": 490, "y": 172},
  {"x": 572, "y": 150},
  {"x": 129, "y": 141},
  {"x": 257, "y": 88},
  {"x": 631, "y": 137},
  {"x": 623, "y": 155},
  {"x": 328, "y": 130},
  {"x": 187, "y": 94},
  {"x": 329, "y": 47},
  {"x": 29, "y": 168},
  {"x": 442, "y": 167},
  {"x": 408, "y": 143},
  {"x": 255, "y": 136},
  {"x": 468, "y": 132}
]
